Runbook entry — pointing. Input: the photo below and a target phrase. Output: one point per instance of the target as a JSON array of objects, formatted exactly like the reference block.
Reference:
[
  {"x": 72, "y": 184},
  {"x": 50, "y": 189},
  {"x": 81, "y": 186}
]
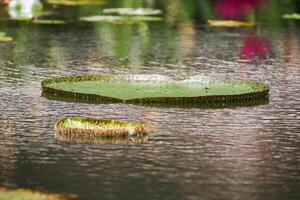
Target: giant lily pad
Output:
[
  {"x": 22, "y": 194},
  {"x": 132, "y": 11},
  {"x": 229, "y": 23},
  {"x": 156, "y": 90},
  {"x": 97, "y": 128}
]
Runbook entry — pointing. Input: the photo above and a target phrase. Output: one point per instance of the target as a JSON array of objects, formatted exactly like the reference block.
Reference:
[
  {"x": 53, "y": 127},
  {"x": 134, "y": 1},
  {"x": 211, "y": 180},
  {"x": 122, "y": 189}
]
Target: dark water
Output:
[{"x": 240, "y": 153}]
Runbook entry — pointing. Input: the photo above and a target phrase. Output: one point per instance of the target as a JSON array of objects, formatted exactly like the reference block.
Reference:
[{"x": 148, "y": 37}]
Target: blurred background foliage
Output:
[{"x": 136, "y": 42}]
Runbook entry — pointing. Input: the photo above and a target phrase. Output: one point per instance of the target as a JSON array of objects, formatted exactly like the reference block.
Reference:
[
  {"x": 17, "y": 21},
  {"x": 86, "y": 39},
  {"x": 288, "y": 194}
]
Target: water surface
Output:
[{"x": 236, "y": 153}]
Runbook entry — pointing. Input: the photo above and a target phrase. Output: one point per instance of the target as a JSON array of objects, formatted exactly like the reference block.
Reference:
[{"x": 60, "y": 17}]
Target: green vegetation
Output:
[
  {"x": 119, "y": 19},
  {"x": 22, "y": 194},
  {"x": 90, "y": 127},
  {"x": 75, "y": 2},
  {"x": 133, "y": 87},
  {"x": 229, "y": 23},
  {"x": 132, "y": 90},
  {"x": 152, "y": 89},
  {"x": 93, "y": 139},
  {"x": 47, "y": 21},
  {"x": 132, "y": 11},
  {"x": 292, "y": 16}
]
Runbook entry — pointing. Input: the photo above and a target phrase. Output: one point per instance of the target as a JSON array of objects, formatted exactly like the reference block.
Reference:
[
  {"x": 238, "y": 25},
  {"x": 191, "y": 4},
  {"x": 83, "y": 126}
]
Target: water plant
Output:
[
  {"x": 157, "y": 90},
  {"x": 75, "y": 2},
  {"x": 119, "y": 19},
  {"x": 23, "y": 194},
  {"x": 132, "y": 11},
  {"x": 90, "y": 128},
  {"x": 94, "y": 139},
  {"x": 229, "y": 23},
  {"x": 291, "y": 16}
]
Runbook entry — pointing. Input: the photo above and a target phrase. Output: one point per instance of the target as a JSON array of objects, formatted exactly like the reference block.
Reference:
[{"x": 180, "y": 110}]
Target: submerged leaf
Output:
[
  {"x": 229, "y": 23},
  {"x": 132, "y": 11},
  {"x": 291, "y": 16}
]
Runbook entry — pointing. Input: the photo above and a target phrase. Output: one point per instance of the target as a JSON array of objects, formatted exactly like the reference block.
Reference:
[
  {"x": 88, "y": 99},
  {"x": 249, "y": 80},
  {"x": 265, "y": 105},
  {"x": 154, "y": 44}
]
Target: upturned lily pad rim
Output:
[
  {"x": 218, "y": 101},
  {"x": 116, "y": 128},
  {"x": 85, "y": 139}
]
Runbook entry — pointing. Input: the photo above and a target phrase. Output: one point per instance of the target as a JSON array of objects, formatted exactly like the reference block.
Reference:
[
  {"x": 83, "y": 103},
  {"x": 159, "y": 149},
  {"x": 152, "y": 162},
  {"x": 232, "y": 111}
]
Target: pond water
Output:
[{"x": 236, "y": 153}]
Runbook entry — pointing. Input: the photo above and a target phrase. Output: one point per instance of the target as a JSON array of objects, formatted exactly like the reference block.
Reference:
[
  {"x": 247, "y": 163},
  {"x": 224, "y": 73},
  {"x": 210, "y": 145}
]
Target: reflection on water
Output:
[
  {"x": 256, "y": 47},
  {"x": 232, "y": 153},
  {"x": 100, "y": 140},
  {"x": 24, "y": 9}
]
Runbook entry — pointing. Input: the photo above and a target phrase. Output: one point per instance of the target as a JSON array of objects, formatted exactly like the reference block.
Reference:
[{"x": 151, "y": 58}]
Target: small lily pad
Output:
[
  {"x": 22, "y": 194},
  {"x": 291, "y": 16},
  {"x": 132, "y": 11},
  {"x": 92, "y": 139},
  {"x": 198, "y": 91},
  {"x": 229, "y": 23},
  {"x": 5, "y": 38},
  {"x": 47, "y": 21},
  {"x": 119, "y": 19},
  {"x": 97, "y": 128},
  {"x": 75, "y": 2}
]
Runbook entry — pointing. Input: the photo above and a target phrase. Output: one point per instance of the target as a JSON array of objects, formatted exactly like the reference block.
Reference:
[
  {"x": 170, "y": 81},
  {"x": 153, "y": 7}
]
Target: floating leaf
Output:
[
  {"x": 291, "y": 16},
  {"x": 47, "y": 21},
  {"x": 132, "y": 11},
  {"x": 75, "y": 2},
  {"x": 119, "y": 19},
  {"x": 229, "y": 23},
  {"x": 200, "y": 91},
  {"x": 5, "y": 38},
  {"x": 97, "y": 128},
  {"x": 22, "y": 194}
]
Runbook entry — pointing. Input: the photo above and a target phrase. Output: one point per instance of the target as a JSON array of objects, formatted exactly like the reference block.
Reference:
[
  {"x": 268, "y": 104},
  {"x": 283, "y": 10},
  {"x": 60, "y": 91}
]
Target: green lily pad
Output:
[
  {"x": 291, "y": 16},
  {"x": 22, "y": 194},
  {"x": 119, "y": 19},
  {"x": 98, "y": 128},
  {"x": 47, "y": 21},
  {"x": 75, "y": 2},
  {"x": 132, "y": 11},
  {"x": 229, "y": 23},
  {"x": 156, "y": 90},
  {"x": 5, "y": 38},
  {"x": 36, "y": 21}
]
